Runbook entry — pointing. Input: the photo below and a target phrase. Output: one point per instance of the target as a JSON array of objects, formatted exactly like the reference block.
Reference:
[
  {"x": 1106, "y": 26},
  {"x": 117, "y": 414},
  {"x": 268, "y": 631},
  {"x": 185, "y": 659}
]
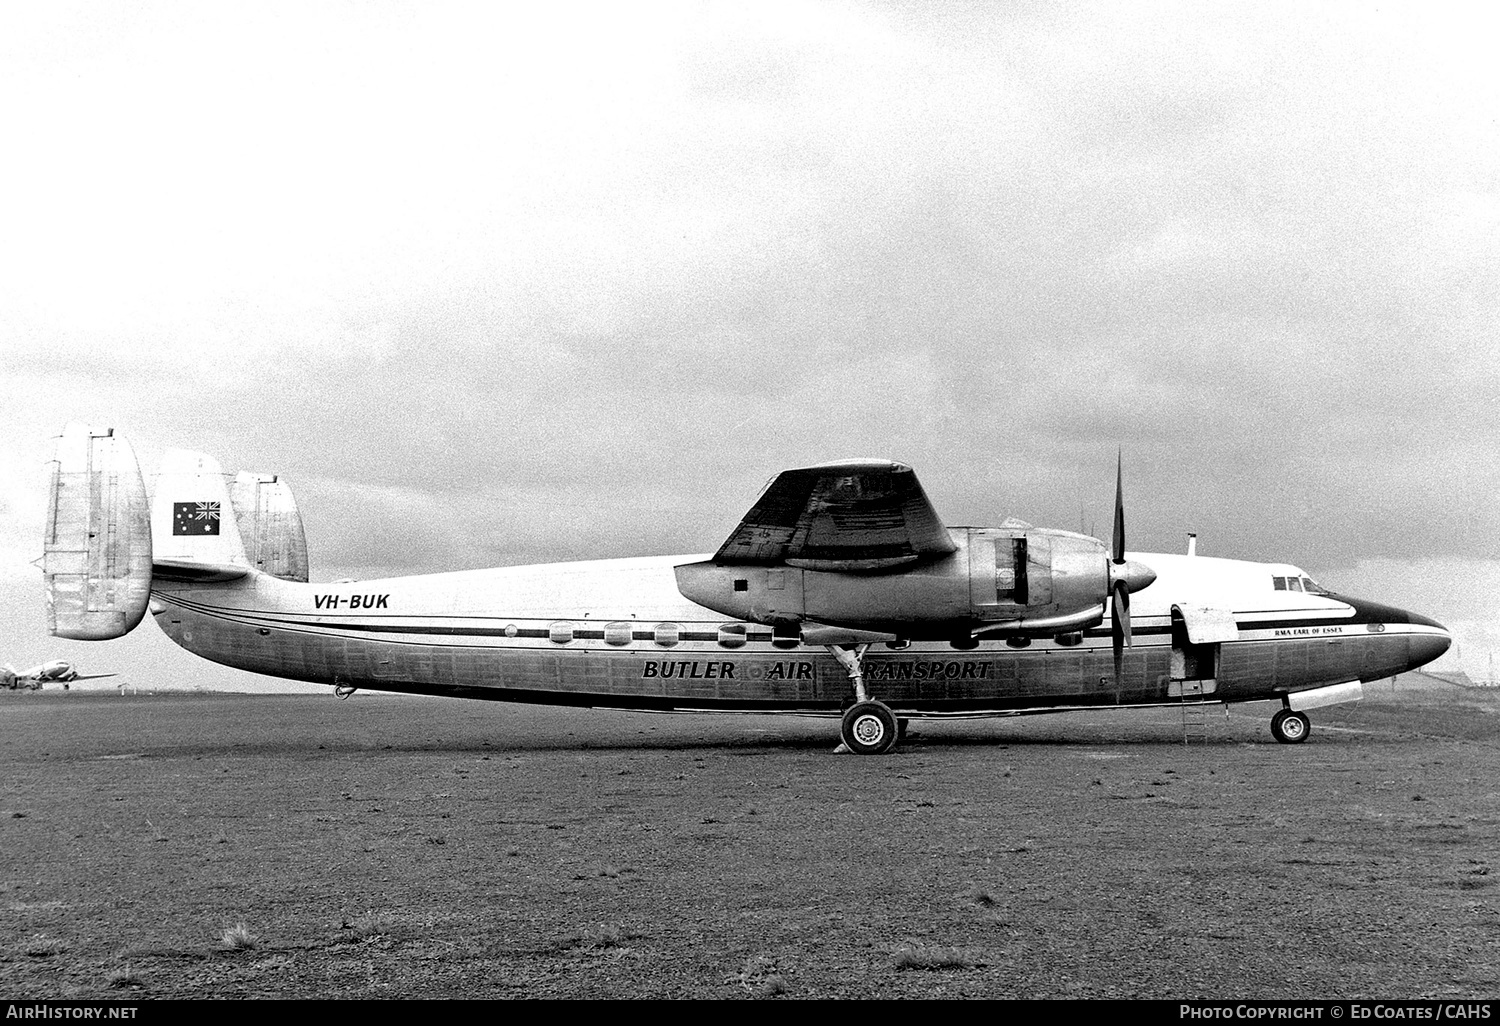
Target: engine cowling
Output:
[{"x": 1028, "y": 581}]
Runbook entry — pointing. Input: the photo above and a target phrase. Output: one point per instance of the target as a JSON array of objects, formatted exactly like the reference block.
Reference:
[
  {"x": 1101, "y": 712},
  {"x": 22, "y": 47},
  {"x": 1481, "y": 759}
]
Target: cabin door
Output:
[{"x": 1195, "y": 665}]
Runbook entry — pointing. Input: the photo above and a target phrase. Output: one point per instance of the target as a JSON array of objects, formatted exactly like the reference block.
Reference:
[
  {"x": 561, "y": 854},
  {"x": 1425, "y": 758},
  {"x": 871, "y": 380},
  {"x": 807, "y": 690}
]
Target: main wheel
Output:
[
  {"x": 1290, "y": 728},
  {"x": 869, "y": 728}
]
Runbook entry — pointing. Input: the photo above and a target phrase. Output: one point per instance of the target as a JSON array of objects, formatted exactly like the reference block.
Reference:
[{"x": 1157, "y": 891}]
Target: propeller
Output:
[{"x": 1125, "y": 576}]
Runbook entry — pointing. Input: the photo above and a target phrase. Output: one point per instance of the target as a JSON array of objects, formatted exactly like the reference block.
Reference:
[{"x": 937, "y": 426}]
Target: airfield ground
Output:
[{"x": 199, "y": 845}]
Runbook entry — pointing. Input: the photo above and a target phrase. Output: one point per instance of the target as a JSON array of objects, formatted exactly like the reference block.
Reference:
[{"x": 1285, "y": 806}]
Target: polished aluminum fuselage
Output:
[{"x": 618, "y": 633}]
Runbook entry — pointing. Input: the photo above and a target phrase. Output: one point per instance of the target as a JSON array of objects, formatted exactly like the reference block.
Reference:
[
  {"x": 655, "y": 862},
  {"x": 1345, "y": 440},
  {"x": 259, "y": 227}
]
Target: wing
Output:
[{"x": 857, "y": 515}]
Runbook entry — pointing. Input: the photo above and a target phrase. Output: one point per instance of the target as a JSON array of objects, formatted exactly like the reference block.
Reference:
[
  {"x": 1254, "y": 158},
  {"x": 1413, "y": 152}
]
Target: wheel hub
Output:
[{"x": 869, "y": 730}]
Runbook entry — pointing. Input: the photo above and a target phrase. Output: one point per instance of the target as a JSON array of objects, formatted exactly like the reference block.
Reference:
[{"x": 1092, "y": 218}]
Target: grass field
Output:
[{"x": 200, "y": 845}]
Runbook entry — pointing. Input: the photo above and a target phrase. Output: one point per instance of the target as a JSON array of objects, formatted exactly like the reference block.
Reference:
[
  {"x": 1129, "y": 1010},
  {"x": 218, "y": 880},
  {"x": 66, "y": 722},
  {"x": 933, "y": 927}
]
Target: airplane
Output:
[
  {"x": 841, "y": 592},
  {"x": 55, "y": 672}
]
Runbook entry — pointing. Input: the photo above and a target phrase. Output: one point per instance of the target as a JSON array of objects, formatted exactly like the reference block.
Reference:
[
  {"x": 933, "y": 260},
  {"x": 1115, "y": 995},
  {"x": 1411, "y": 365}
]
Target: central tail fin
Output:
[
  {"x": 194, "y": 533},
  {"x": 205, "y": 528}
]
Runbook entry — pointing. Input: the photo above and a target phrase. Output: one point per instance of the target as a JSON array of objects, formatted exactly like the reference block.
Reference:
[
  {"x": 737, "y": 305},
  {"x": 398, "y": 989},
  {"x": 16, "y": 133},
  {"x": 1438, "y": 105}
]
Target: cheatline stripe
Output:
[
  {"x": 1248, "y": 621},
  {"x": 1258, "y": 631}
]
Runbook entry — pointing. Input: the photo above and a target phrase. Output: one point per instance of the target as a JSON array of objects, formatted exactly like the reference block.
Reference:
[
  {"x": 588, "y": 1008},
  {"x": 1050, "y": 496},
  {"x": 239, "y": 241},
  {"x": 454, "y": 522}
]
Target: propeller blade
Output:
[
  {"x": 1119, "y": 539},
  {"x": 1120, "y": 627}
]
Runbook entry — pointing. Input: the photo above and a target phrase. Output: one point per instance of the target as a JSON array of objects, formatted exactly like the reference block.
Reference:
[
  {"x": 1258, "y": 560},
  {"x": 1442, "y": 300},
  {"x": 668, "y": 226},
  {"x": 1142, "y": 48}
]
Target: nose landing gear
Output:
[{"x": 1290, "y": 728}]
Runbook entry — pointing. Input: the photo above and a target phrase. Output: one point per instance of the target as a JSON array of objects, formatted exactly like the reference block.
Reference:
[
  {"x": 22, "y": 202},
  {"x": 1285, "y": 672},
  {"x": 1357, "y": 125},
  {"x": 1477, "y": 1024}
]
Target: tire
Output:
[
  {"x": 869, "y": 728},
  {"x": 1290, "y": 728}
]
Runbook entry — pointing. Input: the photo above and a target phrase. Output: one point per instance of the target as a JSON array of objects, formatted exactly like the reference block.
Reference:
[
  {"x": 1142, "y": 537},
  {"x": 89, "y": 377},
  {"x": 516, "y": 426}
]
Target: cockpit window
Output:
[{"x": 1306, "y": 584}]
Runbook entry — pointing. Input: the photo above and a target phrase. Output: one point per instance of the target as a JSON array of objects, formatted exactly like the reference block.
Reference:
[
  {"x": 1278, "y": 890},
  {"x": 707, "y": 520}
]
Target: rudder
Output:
[
  {"x": 96, "y": 558},
  {"x": 270, "y": 525}
]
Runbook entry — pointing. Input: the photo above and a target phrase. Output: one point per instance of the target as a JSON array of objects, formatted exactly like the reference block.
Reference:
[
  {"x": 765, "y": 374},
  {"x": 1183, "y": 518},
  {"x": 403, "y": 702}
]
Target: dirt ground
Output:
[{"x": 200, "y": 845}]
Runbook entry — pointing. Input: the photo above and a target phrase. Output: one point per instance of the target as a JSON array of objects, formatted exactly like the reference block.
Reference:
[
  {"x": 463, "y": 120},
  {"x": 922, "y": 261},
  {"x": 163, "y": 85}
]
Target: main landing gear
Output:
[
  {"x": 1290, "y": 728},
  {"x": 869, "y": 727}
]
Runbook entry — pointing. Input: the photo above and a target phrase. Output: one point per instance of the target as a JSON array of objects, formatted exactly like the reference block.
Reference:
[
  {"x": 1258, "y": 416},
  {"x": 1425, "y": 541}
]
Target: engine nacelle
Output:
[{"x": 1022, "y": 581}]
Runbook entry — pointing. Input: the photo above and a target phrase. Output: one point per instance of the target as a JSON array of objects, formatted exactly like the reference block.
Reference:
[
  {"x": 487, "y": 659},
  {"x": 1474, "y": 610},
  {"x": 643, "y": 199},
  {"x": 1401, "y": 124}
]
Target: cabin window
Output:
[
  {"x": 732, "y": 635},
  {"x": 1279, "y": 583},
  {"x": 964, "y": 644},
  {"x": 560, "y": 633},
  {"x": 668, "y": 634},
  {"x": 511, "y": 630},
  {"x": 1018, "y": 642},
  {"x": 740, "y": 584},
  {"x": 1069, "y": 640},
  {"x": 617, "y": 633}
]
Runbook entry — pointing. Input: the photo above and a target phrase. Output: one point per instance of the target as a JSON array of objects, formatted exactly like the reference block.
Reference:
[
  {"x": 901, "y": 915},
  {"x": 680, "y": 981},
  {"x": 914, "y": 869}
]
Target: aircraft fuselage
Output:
[{"x": 618, "y": 633}]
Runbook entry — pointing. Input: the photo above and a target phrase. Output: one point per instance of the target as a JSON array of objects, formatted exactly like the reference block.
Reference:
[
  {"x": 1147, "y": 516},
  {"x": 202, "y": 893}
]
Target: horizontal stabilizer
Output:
[
  {"x": 196, "y": 573},
  {"x": 96, "y": 558}
]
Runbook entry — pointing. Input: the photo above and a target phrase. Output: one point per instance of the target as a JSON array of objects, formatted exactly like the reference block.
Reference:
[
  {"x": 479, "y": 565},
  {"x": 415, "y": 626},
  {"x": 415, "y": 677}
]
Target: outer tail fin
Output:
[
  {"x": 96, "y": 557},
  {"x": 194, "y": 535},
  {"x": 270, "y": 526}
]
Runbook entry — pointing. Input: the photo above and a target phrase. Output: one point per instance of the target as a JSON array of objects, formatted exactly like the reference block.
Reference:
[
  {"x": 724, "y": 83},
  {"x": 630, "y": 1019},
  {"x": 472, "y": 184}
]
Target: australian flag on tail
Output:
[{"x": 195, "y": 518}]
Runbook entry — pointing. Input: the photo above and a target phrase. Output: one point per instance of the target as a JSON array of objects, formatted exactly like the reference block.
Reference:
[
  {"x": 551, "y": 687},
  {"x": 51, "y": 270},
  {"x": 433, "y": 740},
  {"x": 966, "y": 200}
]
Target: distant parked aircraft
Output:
[{"x": 55, "y": 672}]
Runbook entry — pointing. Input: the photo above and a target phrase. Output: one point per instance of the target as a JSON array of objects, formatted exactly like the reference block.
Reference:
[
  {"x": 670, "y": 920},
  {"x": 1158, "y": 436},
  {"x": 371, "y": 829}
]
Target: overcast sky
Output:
[{"x": 496, "y": 284}]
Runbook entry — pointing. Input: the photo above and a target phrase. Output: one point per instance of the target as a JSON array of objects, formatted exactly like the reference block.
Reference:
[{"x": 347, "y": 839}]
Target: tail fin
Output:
[
  {"x": 270, "y": 526},
  {"x": 194, "y": 535},
  {"x": 96, "y": 557}
]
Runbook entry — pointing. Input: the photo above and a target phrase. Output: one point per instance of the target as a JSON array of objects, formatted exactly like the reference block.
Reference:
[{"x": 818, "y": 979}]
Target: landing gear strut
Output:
[
  {"x": 869, "y": 727},
  {"x": 1290, "y": 728}
]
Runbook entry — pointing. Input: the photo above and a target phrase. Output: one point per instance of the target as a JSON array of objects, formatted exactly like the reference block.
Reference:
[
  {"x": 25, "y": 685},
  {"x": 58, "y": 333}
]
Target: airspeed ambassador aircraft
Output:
[
  {"x": 840, "y": 592},
  {"x": 55, "y": 672}
]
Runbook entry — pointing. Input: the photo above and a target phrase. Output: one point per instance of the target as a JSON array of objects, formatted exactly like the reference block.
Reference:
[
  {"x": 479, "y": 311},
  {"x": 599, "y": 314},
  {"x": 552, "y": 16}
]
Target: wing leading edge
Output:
[{"x": 856, "y": 515}]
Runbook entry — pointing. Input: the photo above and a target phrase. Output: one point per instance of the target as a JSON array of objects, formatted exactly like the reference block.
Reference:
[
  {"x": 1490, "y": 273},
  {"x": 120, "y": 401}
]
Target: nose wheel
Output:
[{"x": 1290, "y": 728}]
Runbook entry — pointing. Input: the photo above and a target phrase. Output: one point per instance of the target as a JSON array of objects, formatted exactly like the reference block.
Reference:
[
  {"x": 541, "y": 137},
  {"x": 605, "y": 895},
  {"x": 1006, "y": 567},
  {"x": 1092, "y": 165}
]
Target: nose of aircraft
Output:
[
  {"x": 1430, "y": 640},
  {"x": 1426, "y": 638}
]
